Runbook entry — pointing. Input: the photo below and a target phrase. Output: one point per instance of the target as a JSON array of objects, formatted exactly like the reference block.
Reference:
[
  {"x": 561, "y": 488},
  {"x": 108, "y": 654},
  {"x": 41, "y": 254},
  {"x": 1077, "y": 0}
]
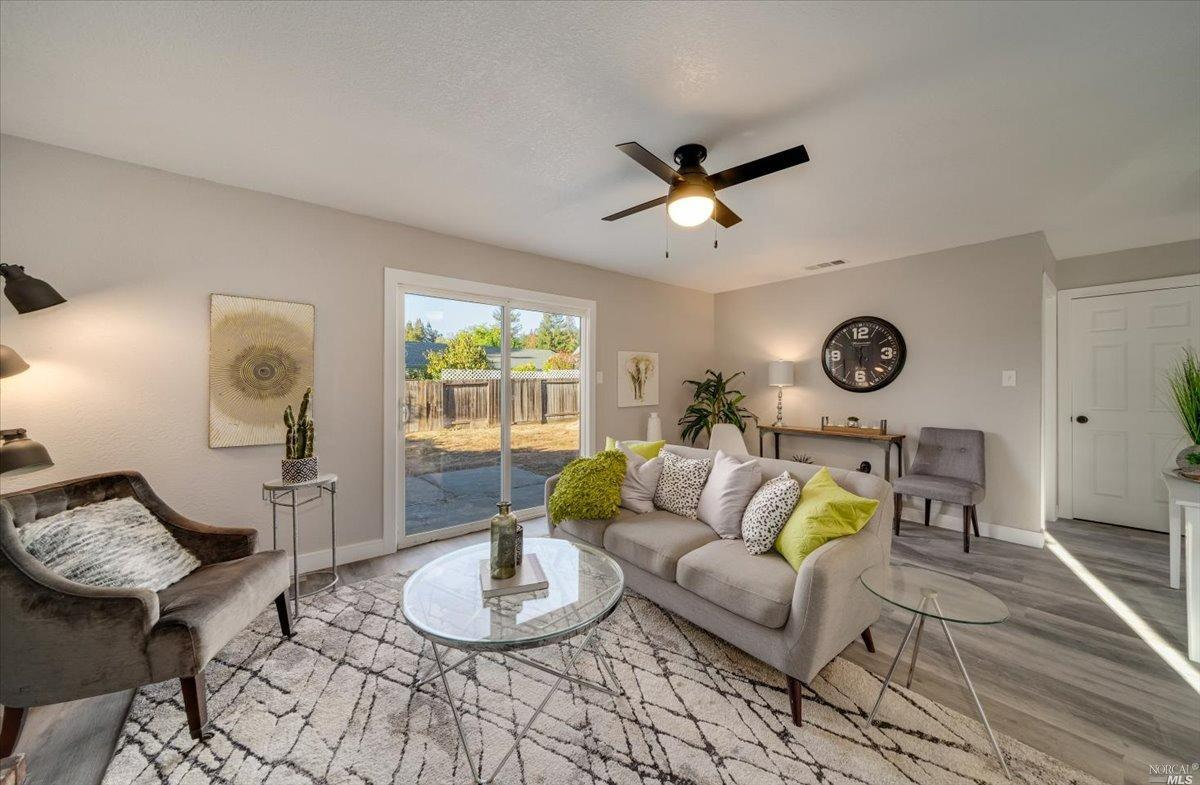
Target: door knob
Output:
[{"x": 1081, "y": 419}]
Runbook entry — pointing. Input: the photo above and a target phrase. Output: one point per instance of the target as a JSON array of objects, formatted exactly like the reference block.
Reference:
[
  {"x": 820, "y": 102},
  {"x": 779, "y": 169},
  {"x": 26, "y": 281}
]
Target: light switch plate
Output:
[{"x": 1008, "y": 378}]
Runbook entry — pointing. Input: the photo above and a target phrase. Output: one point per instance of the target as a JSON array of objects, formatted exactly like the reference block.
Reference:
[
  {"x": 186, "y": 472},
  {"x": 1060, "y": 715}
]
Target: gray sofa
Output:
[
  {"x": 796, "y": 622},
  {"x": 61, "y": 640}
]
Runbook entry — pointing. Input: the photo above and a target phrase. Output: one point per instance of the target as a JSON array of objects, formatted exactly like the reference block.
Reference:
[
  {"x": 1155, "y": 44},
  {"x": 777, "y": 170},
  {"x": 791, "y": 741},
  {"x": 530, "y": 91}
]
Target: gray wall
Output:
[
  {"x": 119, "y": 375},
  {"x": 1133, "y": 264},
  {"x": 966, "y": 314}
]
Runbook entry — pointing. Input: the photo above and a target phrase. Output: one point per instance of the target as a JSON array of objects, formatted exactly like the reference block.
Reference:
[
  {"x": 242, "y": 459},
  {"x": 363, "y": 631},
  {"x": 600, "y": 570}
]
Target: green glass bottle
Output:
[{"x": 504, "y": 542}]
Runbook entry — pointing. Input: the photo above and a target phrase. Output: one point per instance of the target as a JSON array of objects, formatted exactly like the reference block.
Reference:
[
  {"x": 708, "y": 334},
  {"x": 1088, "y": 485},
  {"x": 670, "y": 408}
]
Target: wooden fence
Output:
[{"x": 433, "y": 405}]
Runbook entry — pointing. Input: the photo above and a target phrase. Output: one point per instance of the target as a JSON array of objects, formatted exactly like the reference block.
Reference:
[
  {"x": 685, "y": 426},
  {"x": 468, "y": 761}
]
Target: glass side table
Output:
[
  {"x": 283, "y": 494},
  {"x": 934, "y": 595}
]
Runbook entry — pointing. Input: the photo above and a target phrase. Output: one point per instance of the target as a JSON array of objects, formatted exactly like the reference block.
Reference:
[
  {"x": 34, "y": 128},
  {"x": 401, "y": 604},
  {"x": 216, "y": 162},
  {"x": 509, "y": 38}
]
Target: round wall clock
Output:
[{"x": 863, "y": 354}]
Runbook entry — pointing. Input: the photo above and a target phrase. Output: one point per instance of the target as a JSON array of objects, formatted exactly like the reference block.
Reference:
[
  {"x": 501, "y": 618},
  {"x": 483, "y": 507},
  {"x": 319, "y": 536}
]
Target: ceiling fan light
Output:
[{"x": 691, "y": 210}]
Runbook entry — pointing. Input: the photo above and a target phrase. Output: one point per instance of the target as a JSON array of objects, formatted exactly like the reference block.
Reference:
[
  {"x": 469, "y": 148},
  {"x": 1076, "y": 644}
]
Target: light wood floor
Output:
[{"x": 1064, "y": 674}]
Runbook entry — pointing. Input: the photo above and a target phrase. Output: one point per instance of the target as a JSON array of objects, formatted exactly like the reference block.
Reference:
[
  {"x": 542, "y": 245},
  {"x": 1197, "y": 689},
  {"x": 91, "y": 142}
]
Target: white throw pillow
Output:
[
  {"x": 681, "y": 483},
  {"x": 641, "y": 479},
  {"x": 117, "y": 543},
  {"x": 768, "y": 511},
  {"x": 730, "y": 486}
]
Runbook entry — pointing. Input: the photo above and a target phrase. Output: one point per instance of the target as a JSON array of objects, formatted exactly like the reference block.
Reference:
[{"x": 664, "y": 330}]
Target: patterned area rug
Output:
[{"x": 336, "y": 705}]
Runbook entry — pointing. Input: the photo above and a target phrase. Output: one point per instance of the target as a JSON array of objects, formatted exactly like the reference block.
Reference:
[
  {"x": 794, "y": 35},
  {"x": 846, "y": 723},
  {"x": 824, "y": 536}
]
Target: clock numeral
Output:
[
  {"x": 887, "y": 353},
  {"x": 835, "y": 355},
  {"x": 860, "y": 376},
  {"x": 858, "y": 333}
]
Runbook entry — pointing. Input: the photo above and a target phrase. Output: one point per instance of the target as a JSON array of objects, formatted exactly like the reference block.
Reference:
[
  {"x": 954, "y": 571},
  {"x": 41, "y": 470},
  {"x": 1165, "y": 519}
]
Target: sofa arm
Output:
[
  {"x": 550, "y": 483},
  {"x": 210, "y": 544},
  {"x": 830, "y": 606},
  {"x": 61, "y": 640}
]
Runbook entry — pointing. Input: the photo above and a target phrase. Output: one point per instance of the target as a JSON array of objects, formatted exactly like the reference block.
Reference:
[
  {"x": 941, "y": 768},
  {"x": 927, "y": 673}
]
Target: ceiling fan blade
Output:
[
  {"x": 637, "y": 209},
  {"x": 724, "y": 216},
  {"x": 649, "y": 160},
  {"x": 762, "y": 166}
]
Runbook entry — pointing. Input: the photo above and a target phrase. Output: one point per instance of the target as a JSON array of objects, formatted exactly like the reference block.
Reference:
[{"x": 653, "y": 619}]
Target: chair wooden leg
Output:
[
  {"x": 195, "y": 703},
  {"x": 966, "y": 528},
  {"x": 899, "y": 502},
  {"x": 10, "y": 729},
  {"x": 285, "y": 615},
  {"x": 868, "y": 641},
  {"x": 794, "y": 698},
  {"x": 974, "y": 520},
  {"x": 928, "y": 504}
]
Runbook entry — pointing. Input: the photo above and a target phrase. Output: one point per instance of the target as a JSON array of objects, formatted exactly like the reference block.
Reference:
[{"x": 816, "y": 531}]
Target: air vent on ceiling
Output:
[{"x": 822, "y": 265}]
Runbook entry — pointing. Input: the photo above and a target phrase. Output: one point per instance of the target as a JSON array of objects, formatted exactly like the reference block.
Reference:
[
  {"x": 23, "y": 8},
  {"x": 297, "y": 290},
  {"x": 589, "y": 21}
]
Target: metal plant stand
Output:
[
  {"x": 444, "y": 604},
  {"x": 282, "y": 494},
  {"x": 920, "y": 591}
]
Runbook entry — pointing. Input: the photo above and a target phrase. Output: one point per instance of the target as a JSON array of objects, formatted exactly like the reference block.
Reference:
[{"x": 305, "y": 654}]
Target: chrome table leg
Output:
[
  {"x": 892, "y": 669},
  {"x": 912, "y": 666},
  {"x": 433, "y": 670},
  {"x": 978, "y": 706}
]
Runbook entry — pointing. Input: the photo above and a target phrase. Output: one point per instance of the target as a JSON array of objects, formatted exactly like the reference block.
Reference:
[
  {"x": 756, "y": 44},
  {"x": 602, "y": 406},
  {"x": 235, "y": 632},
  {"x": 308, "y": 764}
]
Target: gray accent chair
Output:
[
  {"x": 61, "y": 640},
  {"x": 793, "y": 621},
  {"x": 948, "y": 468}
]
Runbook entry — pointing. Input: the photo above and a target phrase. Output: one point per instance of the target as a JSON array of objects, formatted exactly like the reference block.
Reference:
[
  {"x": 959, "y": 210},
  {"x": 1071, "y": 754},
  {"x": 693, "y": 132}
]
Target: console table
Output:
[{"x": 885, "y": 439}]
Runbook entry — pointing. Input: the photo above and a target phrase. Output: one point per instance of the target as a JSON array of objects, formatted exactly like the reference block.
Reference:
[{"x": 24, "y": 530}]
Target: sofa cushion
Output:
[
  {"x": 942, "y": 489},
  {"x": 768, "y": 511},
  {"x": 201, "y": 613},
  {"x": 730, "y": 485},
  {"x": 592, "y": 531},
  {"x": 681, "y": 483},
  {"x": 656, "y": 541},
  {"x": 589, "y": 488},
  {"x": 641, "y": 480},
  {"x": 756, "y": 587},
  {"x": 826, "y": 511}
]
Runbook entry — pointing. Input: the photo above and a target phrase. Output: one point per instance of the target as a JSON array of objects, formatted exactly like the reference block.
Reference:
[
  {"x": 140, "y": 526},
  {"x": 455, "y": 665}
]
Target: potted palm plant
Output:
[
  {"x": 1184, "y": 381},
  {"x": 714, "y": 403}
]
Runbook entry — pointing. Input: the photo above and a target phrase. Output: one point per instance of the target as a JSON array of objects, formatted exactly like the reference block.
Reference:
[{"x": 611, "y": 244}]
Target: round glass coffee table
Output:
[
  {"x": 934, "y": 595},
  {"x": 444, "y": 603}
]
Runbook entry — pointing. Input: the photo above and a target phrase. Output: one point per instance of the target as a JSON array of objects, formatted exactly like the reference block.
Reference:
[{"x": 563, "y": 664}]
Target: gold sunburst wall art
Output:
[{"x": 260, "y": 360}]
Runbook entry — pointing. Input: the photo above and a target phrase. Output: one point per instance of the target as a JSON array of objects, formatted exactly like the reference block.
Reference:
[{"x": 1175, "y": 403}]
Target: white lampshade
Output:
[
  {"x": 726, "y": 437},
  {"x": 781, "y": 373}
]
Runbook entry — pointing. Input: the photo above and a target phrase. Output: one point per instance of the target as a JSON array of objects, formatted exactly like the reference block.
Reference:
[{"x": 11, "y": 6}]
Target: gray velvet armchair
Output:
[{"x": 61, "y": 640}]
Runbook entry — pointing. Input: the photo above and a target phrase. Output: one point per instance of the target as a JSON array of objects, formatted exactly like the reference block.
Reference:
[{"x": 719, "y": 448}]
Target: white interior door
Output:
[{"x": 1123, "y": 430}]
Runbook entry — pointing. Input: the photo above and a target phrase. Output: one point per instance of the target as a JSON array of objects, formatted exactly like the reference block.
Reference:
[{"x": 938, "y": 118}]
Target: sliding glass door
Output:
[{"x": 491, "y": 399}]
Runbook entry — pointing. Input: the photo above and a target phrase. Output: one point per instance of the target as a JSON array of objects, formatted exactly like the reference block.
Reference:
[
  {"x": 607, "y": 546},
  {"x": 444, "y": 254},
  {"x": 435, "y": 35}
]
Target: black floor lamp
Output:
[{"x": 19, "y": 453}]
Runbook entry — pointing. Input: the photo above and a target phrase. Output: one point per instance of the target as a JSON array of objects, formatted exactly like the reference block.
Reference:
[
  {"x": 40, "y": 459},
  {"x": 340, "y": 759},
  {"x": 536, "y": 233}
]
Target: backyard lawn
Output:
[{"x": 541, "y": 448}]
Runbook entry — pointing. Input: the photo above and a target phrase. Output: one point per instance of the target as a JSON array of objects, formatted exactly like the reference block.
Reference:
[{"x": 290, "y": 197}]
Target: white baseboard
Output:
[
  {"x": 996, "y": 531},
  {"x": 319, "y": 560}
]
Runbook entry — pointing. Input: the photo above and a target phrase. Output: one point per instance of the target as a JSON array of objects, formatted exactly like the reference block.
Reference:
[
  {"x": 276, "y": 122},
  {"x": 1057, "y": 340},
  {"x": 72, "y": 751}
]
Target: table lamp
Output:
[
  {"x": 18, "y": 453},
  {"x": 780, "y": 373}
]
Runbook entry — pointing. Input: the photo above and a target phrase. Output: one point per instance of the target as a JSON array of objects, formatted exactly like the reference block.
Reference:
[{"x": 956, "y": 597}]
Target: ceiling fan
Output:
[{"x": 692, "y": 198}]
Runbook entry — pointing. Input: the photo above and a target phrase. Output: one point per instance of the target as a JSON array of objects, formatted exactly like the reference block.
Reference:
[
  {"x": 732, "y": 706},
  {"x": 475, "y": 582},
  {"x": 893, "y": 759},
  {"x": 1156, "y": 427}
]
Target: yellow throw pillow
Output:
[
  {"x": 648, "y": 450},
  {"x": 826, "y": 511}
]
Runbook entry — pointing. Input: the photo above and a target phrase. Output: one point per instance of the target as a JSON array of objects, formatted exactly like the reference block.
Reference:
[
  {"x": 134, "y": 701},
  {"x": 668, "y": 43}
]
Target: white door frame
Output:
[
  {"x": 396, "y": 283},
  {"x": 1066, "y": 501}
]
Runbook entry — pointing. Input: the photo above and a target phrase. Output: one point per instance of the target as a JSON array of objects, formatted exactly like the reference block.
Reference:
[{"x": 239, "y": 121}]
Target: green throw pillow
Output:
[
  {"x": 826, "y": 511},
  {"x": 648, "y": 450},
  {"x": 589, "y": 488}
]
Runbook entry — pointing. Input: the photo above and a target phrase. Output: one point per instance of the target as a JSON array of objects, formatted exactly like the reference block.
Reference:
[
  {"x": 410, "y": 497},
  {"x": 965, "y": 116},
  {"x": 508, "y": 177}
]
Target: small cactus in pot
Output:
[{"x": 300, "y": 465}]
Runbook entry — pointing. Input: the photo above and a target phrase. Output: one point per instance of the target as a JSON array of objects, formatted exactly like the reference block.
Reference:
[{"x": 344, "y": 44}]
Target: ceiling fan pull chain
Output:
[
  {"x": 667, "y": 215},
  {"x": 715, "y": 225}
]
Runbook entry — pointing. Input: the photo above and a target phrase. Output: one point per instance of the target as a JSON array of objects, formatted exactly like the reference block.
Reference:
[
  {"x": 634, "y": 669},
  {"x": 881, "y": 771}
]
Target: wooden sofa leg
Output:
[
  {"x": 899, "y": 503},
  {"x": 794, "y": 698},
  {"x": 10, "y": 729},
  {"x": 975, "y": 520},
  {"x": 285, "y": 615},
  {"x": 928, "y": 504},
  {"x": 966, "y": 528},
  {"x": 195, "y": 703},
  {"x": 868, "y": 641}
]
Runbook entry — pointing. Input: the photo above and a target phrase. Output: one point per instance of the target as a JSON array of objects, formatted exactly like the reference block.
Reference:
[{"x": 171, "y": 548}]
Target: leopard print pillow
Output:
[
  {"x": 681, "y": 483},
  {"x": 768, "y": 511}
]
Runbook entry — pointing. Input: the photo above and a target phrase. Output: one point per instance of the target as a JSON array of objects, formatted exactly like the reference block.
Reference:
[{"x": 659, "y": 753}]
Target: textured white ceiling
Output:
[{"x": 929, "y": 125}]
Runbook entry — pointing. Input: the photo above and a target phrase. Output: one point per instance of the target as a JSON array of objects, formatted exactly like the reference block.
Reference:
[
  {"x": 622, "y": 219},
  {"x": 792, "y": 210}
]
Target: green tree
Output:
[
  {"x": 420, "y": 332},
  {"x": 461, "y": 352},
  {"x": 557, "y": 333},
  {"x": 529, "y": 366},
  {"x": 514, "y": 327}
]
